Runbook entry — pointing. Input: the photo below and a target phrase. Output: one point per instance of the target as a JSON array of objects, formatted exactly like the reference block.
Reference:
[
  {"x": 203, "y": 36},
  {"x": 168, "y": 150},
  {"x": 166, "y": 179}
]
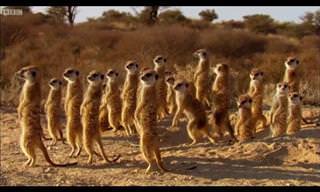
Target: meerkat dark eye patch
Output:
[
  {"x": 33, "y": 73},
  {"x": 148, "y": 75},
  {"x": 285, "y": 86}
]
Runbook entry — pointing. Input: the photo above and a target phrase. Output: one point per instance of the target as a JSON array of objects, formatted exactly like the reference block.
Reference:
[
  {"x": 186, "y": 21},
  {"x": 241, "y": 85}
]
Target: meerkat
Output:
[
  {"x": 90, "y": 116},
  {"x": 201, "y": 77},
  {"x": 221, "y": 100},
  {"x": 244, "y": 123},
  {"x": 279, "y": 110},
  {"x": 29, "y": 112},
  {"x": 146, "y": 117},
  {"x": 73, "y": 100},
  {"x": 129, "y": 96},
  {"x": 194, "y": 111},
  {"x": 53, "y": 110},
  {"x": 292, "y": 74},
  {"x": 160, "y": 66},
  {"x": 256, "y": 92},
  {"x": 295, "y": 113},
  {"x": 112, "y": 100},
  {"x": 171, "y": 97}
]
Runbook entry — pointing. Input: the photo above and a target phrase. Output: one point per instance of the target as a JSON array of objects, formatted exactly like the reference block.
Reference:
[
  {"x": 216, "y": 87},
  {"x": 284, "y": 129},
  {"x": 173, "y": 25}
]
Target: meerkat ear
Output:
[
  {"x": 77, "y": 73},
  {"x": 157, "y": 76},
  {"x": 102, "y": 76},
  {"x": 187, "y": 85},
  {"x": 165, "y": 60},
  {"x": 117, "y": 74}
]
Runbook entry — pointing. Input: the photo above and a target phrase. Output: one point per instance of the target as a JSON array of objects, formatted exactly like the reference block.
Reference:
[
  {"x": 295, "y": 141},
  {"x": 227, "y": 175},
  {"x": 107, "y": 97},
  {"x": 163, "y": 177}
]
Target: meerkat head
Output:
[
  {"x": 132, "y": 67},
  {"x": 181, "y": 86},
  {"x": 201, "y": 54},
  {"x": 244, "y": 101},
  {"x": 221, "y": 69},
  {"x": 256, "y": 74},
  {"x": 295, "y": 98},
  {"x": 55, "y": 83},
  {"x": 71, "y": 75},
  {"x": 95, "y": 78},
  {"x": 29, "y": 74},
  {"x": 159, "y": 60},
  {"x": 112, "y": 75},
  {"x": 292, "y": 63},
  {"x": 282, "y": 88},
  {"x": 170, "y": 80},
  {"x": 149, "y": 77}
]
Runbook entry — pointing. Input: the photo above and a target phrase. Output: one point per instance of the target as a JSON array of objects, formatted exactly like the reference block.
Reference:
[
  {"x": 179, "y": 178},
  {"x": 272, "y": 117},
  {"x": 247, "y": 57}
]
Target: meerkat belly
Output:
[{"x": 257, "y": 105}]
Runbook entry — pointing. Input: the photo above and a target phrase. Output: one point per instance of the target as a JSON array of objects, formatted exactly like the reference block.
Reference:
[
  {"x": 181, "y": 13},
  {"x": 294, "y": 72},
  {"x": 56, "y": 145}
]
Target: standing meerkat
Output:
[
  {"x": 29, "y": 112},
  {"x": 129, "y": 96},
  {"x": 256, "y": 92},
  {"x": 90, "y": 116},
  {"x": 295, "y": 113},
  {"x": 194, "y": 111},
  {"x": 292, "y": 74},
  {"x": 146, "y": 117},
  {"x": 53, "y": 110},
  {"x": 171, "y": 96},
  {"x": 160, "y": 67},
  {"x": 112, "y": 99},
  {"x": 72, "y": 104},
  {"x": 201, "y": 77},
  {"x": 244, "y": 124},
  {"x": 221, "y": 101},
  {"x": 279, "y": 110}
]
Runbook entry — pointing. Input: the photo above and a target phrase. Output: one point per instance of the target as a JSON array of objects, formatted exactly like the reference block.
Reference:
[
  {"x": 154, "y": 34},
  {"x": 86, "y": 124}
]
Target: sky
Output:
[{"x": 281, "y": 13}]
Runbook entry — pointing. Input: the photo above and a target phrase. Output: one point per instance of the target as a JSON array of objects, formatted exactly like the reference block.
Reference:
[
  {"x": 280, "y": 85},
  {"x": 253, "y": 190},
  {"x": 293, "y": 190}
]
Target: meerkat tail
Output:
[{"x": 46, "y": 155}]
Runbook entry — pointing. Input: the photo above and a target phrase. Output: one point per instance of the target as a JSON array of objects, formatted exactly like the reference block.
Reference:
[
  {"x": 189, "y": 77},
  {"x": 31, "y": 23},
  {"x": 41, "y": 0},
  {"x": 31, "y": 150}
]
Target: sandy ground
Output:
[{"x": 286, "y": 161}]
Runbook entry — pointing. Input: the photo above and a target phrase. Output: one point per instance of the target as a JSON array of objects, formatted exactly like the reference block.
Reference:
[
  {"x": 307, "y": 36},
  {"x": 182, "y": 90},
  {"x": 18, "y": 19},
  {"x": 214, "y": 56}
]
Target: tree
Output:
[
  {"x": 114, "y": 15},
  {"x": 208, "y": 15},
  {"x": 172, "y": 16},
  {"x": 149, "y": 14},
  {"x": 71, "y": 14},
  {"x": 260, "y": 23},
  {"x": 62, "y": 13}
]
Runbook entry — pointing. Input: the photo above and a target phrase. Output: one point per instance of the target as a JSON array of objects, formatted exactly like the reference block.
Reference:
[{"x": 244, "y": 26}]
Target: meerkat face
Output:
[
  {"x": 29, "y": 73},
  {"x": 55, "y": 84},
  {"x": 170, "y": 80},
  {"x": 149, "y": 78},
  {"x": 291, "y": 63},
  {"x": 244, "y": 101},
  {"x": 159, "y": 60},
  {"x": 95, "y": 78},
  {"x": 132, "y": 67},
  {"x": 282, "y": 88},
  {"x": 201, "y": 53},
  {"x": 71, "y": 75},
  {"x": 221, "y": 69},
  {"x": 112, "y": 75},
  {"x": 256, "y": 74},
  {"x": 181, "y": 86},
  {"x": 295, "y": 98}
]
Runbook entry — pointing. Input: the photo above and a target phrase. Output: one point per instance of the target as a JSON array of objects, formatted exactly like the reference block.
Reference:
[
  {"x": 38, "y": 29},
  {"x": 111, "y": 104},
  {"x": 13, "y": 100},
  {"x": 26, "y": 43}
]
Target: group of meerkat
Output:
[{"x": 149, "y": 95}]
